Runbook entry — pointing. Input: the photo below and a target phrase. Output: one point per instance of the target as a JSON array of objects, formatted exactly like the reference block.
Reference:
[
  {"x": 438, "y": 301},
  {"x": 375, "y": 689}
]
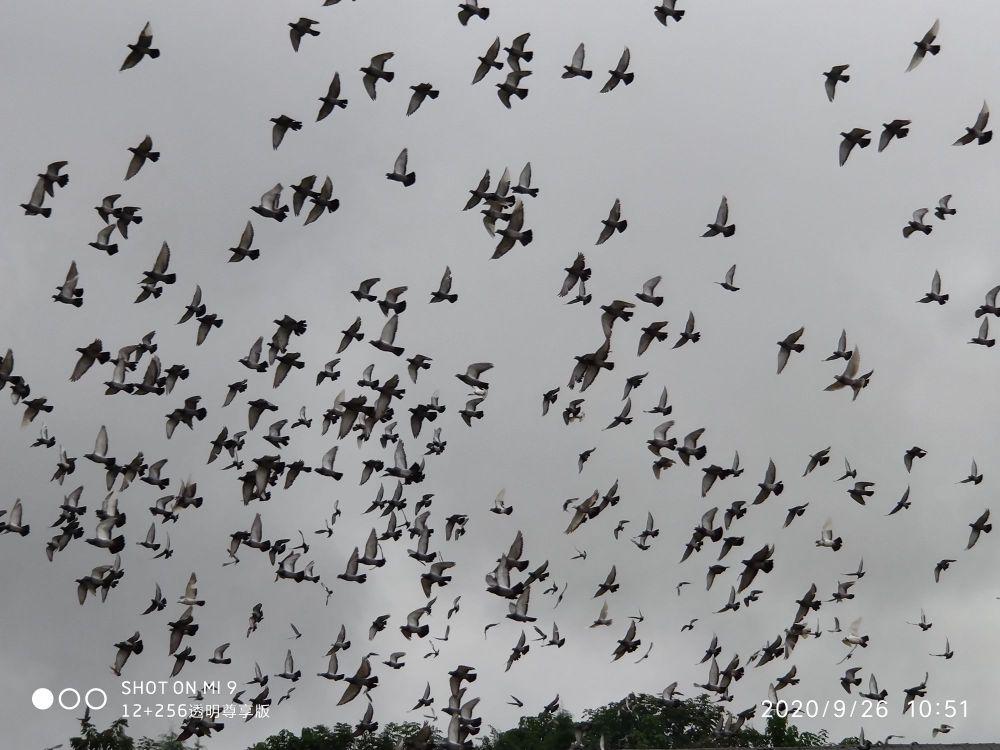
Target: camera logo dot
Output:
[
  {"x": 42, "y": 699},
  {"x": 69, "y": 699}
]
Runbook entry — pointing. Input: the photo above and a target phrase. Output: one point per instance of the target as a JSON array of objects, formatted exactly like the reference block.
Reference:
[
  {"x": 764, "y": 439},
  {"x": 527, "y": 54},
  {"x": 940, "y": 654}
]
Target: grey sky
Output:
[{"x": 730, "y": 101}]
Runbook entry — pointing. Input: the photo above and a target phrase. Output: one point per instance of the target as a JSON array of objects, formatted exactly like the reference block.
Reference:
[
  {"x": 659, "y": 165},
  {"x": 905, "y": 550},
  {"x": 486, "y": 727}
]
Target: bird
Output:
[
  {"x": 925, "y": 45},
  {"x": 720, "y": 226},
  {"x": 916, "y": 224},
  {"x": 299, "y": 29},
  {"x": 619, "y": 74},
  {"x": 375, "y": 71},
  {"x": 688, "y": 334},
  {"x": 142, "y": 48},
  {"x": 470, "y": 8},
  {"x": 942, "y": 211},
  {"x": 978, "y": 131},
  {"x": 666, "y": 10},
  {"x": 140, "y": 154},
  {"x": 727, "y": 283},
  {"x": 332, "y": 99},
  {"x": 934, "y": 295},
  {"x": 910, "y": 454},
  {"x": 834, "y": 76},
  {"x": 982, "y": 338},
  {"x": 511, "y": 87},
  {"x": 854, "y": 137},
  {"x": 421, "y": 91},
  {"x": 614, "y": 223},
  {"x": 488, "y": 61},
  {"x": 269, "y": 205},
  {"x": 282, "y": 124},
  {"x": 890, "y": 130},
  {"x": 399, "y": 173},
  {"x": 788, "y": 345},
  {"x": 980, "y": 525},
  {"x": 575, "y": 69}
]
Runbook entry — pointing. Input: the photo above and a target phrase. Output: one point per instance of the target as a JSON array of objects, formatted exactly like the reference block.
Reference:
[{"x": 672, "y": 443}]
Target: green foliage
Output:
[
  {"x": 112, "y": 738},
  {"x": 340, "y": 737},
  {"x": 542, "y": 732},
  {"x": 780, "y": 733}
]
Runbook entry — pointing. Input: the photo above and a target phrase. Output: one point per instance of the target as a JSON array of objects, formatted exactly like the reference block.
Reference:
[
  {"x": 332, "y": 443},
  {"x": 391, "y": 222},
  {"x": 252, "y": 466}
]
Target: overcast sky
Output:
[{"x": 729, "y": 101}]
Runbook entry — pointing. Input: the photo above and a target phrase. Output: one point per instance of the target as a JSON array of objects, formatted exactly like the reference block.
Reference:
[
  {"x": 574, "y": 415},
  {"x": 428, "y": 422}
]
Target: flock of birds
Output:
[{"x": 371, "y": 414}]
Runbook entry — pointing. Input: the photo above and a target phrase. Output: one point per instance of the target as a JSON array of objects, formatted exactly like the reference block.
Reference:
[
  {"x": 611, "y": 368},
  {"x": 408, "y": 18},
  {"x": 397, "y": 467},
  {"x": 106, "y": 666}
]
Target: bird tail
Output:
[
  {"x": 153, "y": 156},
  {"x": 61, "y": 180},
  {"x": 990, "y": 342},
  {"x": 153, "y": 53},
  {"x": 983, "y": 139},
  {"x": 484, "y": 13},
  {"x": 527, "y": 56},
  {"x": 622, "y": 225},
  {"x": 934, "y": 49},
  {"x": 201, "y": 413},
  {"x": 433, "y": 94},
  {"x": 980, "y": 312},
  {"x": 409, "y": 179},
  {"x": 388, "y": 76},
  {"x": 988, "y": 528},
  {"x": 521, "y": 93},
  {"x": 845, "y": 79},
  {"x": 170, "y": 278},
  {"x": 627, "y": 78},
  {"x": 700, "y": 453},
  {"x": 47, "y": 212},
  {"x": 567, "y": 74},
  {"x": 944, "y": 298},
  {"x": 729, "y": 231},
  {"x": 527, "y": 236}
]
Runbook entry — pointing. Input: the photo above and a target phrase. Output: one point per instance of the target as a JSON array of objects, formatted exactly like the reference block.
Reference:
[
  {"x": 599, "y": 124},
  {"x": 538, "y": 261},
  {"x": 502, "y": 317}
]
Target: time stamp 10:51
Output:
[{"x": 839, "y": 709}]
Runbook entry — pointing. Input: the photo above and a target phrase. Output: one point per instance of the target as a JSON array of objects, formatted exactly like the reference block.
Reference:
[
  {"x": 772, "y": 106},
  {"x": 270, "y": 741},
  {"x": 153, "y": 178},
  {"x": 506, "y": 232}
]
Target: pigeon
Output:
[
  {"x": 942, "y": 211},
  {"x": 488, "y": 61},
  {"x": 466, "y": 10},
  {"x": 925, "y": 45},
  {"x": 420, "y": 92},
  {"x": 855, "y": 137},
  {"x": 614, "y": 223},
  {"x": 978, "y": 131},
  {"x": 727, "y": 283},
  {"x": 332, "y": 99},
  {"x": 890, "y": 130},
  {"x": 983, "y": 338},
  {"x": 375, "y": 71},
  {"x": 834, "y": 76},
  {"x": 269, "y": 205},
  {"x": 575, "y": 69},
  {"x": 282, "y": 124},
  {"x": 142, "y": 48},
  {"x": 917, "y": 223},
  {"x": 140, "y": 154},
  {"x": 788, "y": 345},
  {"x": 666, "y": 10},
  {"x": 934, "y": 295},
  {"x": 301, "y": 28},
  {"x": 719, "y": 226},
  {"x": 399, "y": 173},
  {"x": 619, "y": 74},
  {"x": 980, "y": 525}
]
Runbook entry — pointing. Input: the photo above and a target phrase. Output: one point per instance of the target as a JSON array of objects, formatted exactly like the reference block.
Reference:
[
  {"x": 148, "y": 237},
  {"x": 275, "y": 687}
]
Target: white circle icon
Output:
[
  {"x": 94, "y": 707},
  {"x": 42, "y": 699},
  {"x": 63, "y": 705}
]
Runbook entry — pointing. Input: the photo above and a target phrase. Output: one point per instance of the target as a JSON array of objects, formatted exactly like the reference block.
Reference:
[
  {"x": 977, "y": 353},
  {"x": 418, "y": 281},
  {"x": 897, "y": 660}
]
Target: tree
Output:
[
  {"x": 112, "y": 738},
  {"x": 542, "y": 732},
  {"x": 780, "y": 733}
]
